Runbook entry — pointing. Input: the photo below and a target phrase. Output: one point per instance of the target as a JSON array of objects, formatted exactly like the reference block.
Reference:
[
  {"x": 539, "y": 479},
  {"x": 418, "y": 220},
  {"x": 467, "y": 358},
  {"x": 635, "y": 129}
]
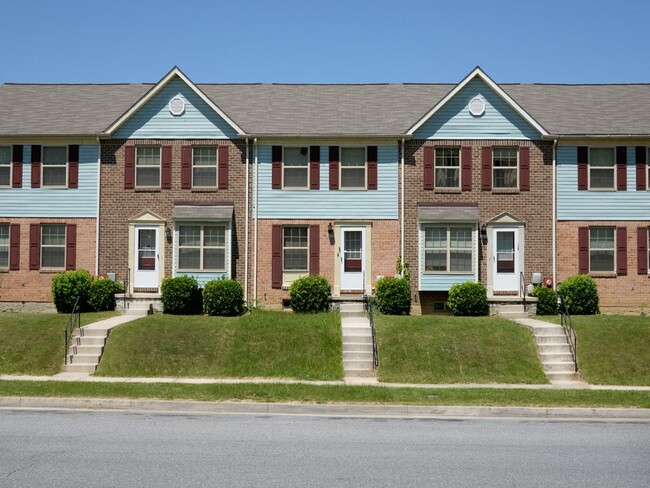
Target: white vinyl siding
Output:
[
  {"x": 55, "y": 166},
  {"x": 147, "y": 166},
  {"x": 5, "y": 166},
  {"x": 295, "y": 168},
  {"x": 447, "y": 167},
  {"x": 53, "y": 246},
  {"x": 602, "y": 172},
  {"x": 204, "y": 167}
]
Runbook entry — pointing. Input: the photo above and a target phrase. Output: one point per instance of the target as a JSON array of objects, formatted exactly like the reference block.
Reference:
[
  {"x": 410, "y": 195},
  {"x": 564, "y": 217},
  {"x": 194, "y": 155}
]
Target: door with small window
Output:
[
  {"x": 352, "y": 259},
  {"x": 147, "y": 258},
  {"x": 505, "y": 260}
]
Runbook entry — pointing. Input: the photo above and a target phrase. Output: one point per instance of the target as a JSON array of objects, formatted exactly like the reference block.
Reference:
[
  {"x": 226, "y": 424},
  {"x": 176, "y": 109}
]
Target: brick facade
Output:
[
  {"x": 534, "y": 207},
  {"x": 25, "y": 285}
]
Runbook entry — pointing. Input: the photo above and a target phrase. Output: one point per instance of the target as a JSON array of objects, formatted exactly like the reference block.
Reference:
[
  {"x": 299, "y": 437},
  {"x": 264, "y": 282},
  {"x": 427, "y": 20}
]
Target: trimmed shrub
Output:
[
  {"x": 66, "y": 287},
  {"x": 468, "y": 299},
  {"x": 310, "y": 294},
  {"x": 101, "y": 294},
  {"x": 180, "y": 296},
  {"x": 580, "y": 295},
  {"x": 393, "y": 296},
  {"x": 546, "y": 300},
  {"x": 223, "y": 297}
]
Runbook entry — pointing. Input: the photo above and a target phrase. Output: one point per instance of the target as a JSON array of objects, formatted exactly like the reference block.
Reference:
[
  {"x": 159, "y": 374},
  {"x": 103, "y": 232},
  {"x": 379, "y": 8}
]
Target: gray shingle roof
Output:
[{"x": 324, "y": 110}]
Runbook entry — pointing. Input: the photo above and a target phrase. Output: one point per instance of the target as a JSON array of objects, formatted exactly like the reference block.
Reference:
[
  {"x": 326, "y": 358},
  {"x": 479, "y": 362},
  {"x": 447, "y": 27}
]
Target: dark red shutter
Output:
[
  {"x": 166, "y": 173},
  {"x": 428, "y": 167},
  {"x": 372, "y": 167},
  {"x": 276, "y": 167},
  {"x": 34, "y": 246},
  {"x": 466, "y": 165},
  {"x": 73, "y": 166},
  {"x": 36, "y": 166},
  {"x": 17, "y": 166},
  {"x": 641, "y": 168},
  {"x": 224, "y": 160},
  {"x": 486, "y": 168},
  {"x": 129, "y": 167},
  {"x": 642, "y": 250},
  {"x": 314, "y": 249},
  {"x": 621, "y": 251},
  {"x": 621, "y": 168},
  {"x": 524, "y": 168},
  {"x": 276, "y": 257},
  {"x": 583, "y": 168},
  {"x": 583, "y": 250},
  {"x": 314, "y": 167},
  {"x": 186, "y": 167},
  {"x": 14, "y": 247},
  {"x": 71, "y": 246},
  {"x": 334, "y": 167}
]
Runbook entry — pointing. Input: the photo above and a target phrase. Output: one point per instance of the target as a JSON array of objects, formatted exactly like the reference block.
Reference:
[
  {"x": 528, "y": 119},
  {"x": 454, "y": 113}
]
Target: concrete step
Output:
[
  {"x": 91, "y": 333},
  {"x": 357, "y": 339},
  {"x": 554, "y": 348},
  {"x": 80, "y": 368},
  {"x": 558, "y": 366},
  {"x": 83, "y": 358},
  {"x": 555, "y": 339},
  {"x": 563, "y": 376},
  {"x": 89, "y": 341},
  {"x": 137, "y": 311},
  {"x": 357, "y": 346},
  {"x": 352, "y": 307},
  {"x": 357, "y": 355},
  {"x": 551, "y": 357},
  {"x": 358, "y": 363},
  {"x": 87, "y": 350},
  {"x": 550, "y": 330},
  {"x": 513, "y": 315},
  {"x": 359, "y": 373}
]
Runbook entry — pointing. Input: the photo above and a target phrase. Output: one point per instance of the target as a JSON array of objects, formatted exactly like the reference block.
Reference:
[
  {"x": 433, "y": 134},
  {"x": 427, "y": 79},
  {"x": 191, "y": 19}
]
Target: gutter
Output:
[
  {"x": 246, "y": 227},
  {"x": 343, "y": 136},
  {"x": 401, "y": 230},
  {"x": 554, "y": 212},
  {"x": 255, "y": 203},
  {"x": 99, "y": 185}
]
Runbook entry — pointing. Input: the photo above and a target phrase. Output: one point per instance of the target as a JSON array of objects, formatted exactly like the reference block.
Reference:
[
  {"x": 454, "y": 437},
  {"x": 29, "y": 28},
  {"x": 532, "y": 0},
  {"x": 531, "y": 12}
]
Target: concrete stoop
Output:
[{"x": 357, "y": 342}]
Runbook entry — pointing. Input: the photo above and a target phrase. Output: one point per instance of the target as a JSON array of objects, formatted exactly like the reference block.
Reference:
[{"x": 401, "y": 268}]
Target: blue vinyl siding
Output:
[
  {"x": 597, "y": 205},
  {"x": 154, "y": 120},
  {"x": 331, "y": 204},
  {"x": 453, "y": 120},
  {"x": 203, "y": 278},
  {"x": 54, "y": 202}
]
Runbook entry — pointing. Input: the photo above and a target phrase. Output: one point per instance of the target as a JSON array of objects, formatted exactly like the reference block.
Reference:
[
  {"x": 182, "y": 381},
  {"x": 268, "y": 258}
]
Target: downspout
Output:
[
  {"x": 246, "y": 227},
  {"x": 401, "y": 230},
  {"x": 99, "y": 181},
  {"x": 554, "y": 214},
  {"x": 255, "y": 186}
]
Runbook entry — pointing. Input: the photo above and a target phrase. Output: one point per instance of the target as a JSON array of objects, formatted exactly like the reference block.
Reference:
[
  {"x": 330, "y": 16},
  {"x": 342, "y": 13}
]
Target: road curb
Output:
[{"x": 327, "y": 410}]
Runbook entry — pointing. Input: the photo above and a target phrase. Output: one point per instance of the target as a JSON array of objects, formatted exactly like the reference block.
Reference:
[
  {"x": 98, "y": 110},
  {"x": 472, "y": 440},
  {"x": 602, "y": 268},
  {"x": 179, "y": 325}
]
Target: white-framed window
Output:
[
  {"x": 295, "y": 249},
  {"x": 602, "y": 168},
  {"x": 53, "y": 246},
  {"x": 147, "y": 166},
  {"x": 447, "y": 167},
  {"x": 353, "y": 168},
  {"x": 602, "y": 249},
  {"x": 505, "y": 171},
  {"x": 55, "y": 166},
  {"x": 204, "y": 167},
  {"x": 4, "y": 246},
  {"x": 202, "y": 247},
  {"x": 5, "y": 166},
  {"x": 448, "y": 249},
  {"x": 295, "y": 168}
]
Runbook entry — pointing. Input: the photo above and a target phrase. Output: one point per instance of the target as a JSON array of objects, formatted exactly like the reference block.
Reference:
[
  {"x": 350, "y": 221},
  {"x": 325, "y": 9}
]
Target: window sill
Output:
[
  {"x": 147, "y": 189},
  {"x": 603, "y": 274},
  {"x": 447, "y": 273},
  {"x": 198, "y": 271},
  {"x": 604, "y": 189},
  {"x": 48, "y": 187},
  {"x": 51, "y": 270},
  {"x": 505, "y": 190},
  {"x": 205, "y": 190},
  {"x": 447, "y": 190}
]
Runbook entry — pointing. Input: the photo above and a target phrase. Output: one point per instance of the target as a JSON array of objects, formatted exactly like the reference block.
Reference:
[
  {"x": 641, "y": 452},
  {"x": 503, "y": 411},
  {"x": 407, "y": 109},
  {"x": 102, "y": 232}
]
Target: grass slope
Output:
[
  {"x": 260, "y": 344},
  {"x": 443, "y": 349}
]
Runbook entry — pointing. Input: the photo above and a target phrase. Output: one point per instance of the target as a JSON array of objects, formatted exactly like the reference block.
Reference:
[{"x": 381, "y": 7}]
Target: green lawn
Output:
[
  {"x": 444, "y": 349},
  {"x": 612, "y": 349},
  {"x": 260, "y": 344},
  {"x": 32, "y": 343}
]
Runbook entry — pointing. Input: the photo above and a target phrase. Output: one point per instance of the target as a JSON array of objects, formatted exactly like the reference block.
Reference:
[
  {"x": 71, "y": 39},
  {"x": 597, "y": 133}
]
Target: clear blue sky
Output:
[{"x": 330, "y": 41}]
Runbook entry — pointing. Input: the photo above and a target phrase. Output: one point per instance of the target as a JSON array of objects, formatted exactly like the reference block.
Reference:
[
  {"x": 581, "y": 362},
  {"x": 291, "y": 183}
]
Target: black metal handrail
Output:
[
  {"x": 522, "y": 288},
  {"x": 74, "y": 320},
  {"x": 567, "y": 327},
  {"x": 369, "y": 306}
]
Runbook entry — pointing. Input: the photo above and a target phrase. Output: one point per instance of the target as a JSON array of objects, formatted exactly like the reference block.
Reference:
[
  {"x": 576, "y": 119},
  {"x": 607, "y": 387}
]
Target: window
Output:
[
  {"x": 294, "y": 249},
  {"x": 53, "y": 246},
  {"x": 55, "y": 166},
  {"x": 295, "y": 167},
  {"x": 147, "y": 164},
  {"x": 5, "y": 166},
  {"x": 447, "y": 167},
  {"x": 601, "y": 249},
  {"x": 202, "y": 247},
  {"x": 448, "y": 249},
  {"x": 602, "y": 168},
  {"x": 353, "y": 168},
  {"x": 4, "y": 245},
  {"x": 504, "y": 167},
  {"x": 204, "y": 167}
]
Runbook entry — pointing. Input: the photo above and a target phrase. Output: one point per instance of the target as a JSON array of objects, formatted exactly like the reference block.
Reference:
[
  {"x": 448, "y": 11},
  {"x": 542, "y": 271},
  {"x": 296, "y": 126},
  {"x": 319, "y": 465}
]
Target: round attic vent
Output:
[
  {"x": 477, "y": 107},
  {"x": 177, "y": 106}
]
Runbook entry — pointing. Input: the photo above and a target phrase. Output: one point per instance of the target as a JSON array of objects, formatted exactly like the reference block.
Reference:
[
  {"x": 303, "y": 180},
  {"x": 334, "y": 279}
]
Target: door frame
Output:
[
  {"x": 366, "y": 228},
  {"x": 505, "y": 221},
  {"x": 151, "y": 220}
]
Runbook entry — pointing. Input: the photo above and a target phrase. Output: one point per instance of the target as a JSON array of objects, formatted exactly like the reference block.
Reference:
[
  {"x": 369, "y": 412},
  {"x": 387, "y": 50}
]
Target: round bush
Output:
[
  {"x": 468, "y": 299},
  {"x": 546, "y": 300},
  {"x": 580, "y": 295},
  {"x": 223, "y": 297},
  {"x": 180, "y": 296},
  {"x": 393, "y": 296},
  {"x": 66, "y": 287},
  {"x": 101, "y": 295},
  {"x": 310, "y": 294}
]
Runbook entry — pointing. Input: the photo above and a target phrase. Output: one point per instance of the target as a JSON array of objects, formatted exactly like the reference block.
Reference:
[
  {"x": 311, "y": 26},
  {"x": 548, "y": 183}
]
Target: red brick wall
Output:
[
  {"x": 24, "y": 285},
  {"x": 629, "y": 293}
]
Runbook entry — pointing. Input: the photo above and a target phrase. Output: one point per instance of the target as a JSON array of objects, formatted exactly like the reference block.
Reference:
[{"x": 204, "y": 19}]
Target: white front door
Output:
[
  {"x": 147, "y": 257},
  {"x": 506, "y": 262},
  {"x": 352, "y": 255}
]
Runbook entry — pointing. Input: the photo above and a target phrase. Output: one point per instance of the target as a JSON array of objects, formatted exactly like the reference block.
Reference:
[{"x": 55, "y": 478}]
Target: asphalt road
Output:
[{"x": 100, "y": 449}]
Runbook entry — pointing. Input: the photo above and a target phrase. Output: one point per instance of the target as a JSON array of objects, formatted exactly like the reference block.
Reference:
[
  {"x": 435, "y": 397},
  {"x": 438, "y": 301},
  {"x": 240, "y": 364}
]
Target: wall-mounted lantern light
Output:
[
  {"x": 330, "y": 233},
  {"x": 483, "y": 235},
  {"x": 168, "y": 234}
]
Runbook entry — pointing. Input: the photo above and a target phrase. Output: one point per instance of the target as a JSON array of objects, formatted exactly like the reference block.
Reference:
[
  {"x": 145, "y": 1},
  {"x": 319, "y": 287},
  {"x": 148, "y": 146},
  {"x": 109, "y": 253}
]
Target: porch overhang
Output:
[{"x": 433, "y": 212}]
